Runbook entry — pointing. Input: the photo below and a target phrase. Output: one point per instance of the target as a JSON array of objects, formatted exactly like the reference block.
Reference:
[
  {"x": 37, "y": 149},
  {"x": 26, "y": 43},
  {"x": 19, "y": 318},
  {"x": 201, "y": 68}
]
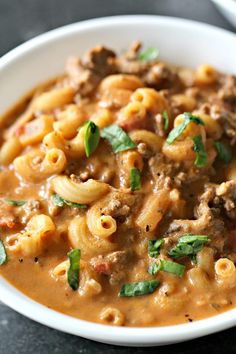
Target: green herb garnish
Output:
[
  {"x": 148, "y": 54},
  {"x": 61, "y": 202},
  {"x": 172, "y": 267},
  {"x": 139, "y": 288},
  {"x": 91, "y": 137},
  {"x": 73, "y": 270},
  {"x": 154, "y": 247},
  {"x": 135, "y": 179},
  {"x": 154, "y": 268},
  {"x": 118, "y": 138},
  {"x": 201, "y": 154},
  {"x": 3, "y": 254},
  {"x": 177, "y": 131},
  {"x": 223, "y": 152},
  {"x": 15, "y": 202},
  {"x": 188, "y": 246},
  {"x": 166, "y": 120}
]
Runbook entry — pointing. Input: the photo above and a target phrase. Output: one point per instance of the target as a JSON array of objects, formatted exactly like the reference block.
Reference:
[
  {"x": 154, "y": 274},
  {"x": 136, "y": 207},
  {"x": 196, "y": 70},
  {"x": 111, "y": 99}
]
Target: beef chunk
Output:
[
  {"x": 8, "y": 217},
  {"x": 86, "y": 74},
  {"x": 113, "y": 265}
]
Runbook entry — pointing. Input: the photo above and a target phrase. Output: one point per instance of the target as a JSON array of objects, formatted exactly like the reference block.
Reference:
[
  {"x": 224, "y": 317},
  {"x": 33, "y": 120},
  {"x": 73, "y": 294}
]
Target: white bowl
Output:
[
  {"x": 228, "y": 9},
  {"x": 180, "y": 41}
]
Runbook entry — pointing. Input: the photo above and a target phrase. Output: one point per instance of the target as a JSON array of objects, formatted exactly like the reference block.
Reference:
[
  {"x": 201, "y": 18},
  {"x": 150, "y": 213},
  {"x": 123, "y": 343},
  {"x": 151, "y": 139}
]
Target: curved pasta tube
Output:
[
  {"x": 98, "y": 224},
  {"x": 126, "y": 161},
  {"x": 37, "y": 165},
  {"x": 180, "y": 150},
  {"x": 34, "y": 131},
  {"x": 115, "y": 98},
  {"x": 59, "y": 273},
  {"x": 120, "y": 81},
  {"x": 153, "y": 141},
  {"x": 153, "y": 211},
  {"x": 225, "y": 273},
  {"x": 132, "y": 115},
  {"x": 205, "y": 260},
  {"x": 52, "y": 99},
  {"x": 198, "y": 279},
  {"x": 80, "y": 237},
  {"x": 69, "y": 121},
  {"x": 88, "y": 286},
  {"x": 54, "y": 140},
  {"x": 112, "y": 315},
  {"x": 191, "y": 130},
  {"x": 82, "y": 193},
  {"x": 150, "y": 99},
  {"x": 10, "y": 150},
  {"x": 205, "y": 75},
  {"x": 183, "y": 102},
  {"x": 212, "y": 127},
  {"x": 31, "y": 241},
  {"x": 103, "y": 118},
  {"x": 73, "y": 148}
]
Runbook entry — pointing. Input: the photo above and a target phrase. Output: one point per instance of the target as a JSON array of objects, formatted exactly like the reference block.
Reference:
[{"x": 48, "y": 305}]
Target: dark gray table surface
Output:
[{"x": 24, "y": 19}]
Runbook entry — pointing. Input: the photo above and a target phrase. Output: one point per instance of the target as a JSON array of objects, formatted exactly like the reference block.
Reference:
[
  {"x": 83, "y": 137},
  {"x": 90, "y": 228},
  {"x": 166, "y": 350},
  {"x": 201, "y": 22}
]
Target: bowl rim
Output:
[
  {"x": 143, "y": 336},
  {"x": 228, "y": 4}
]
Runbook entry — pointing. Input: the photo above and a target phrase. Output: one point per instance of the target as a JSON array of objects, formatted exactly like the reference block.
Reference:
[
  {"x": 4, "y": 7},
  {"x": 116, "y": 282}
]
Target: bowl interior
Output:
[{"x": 181, "y": 42}]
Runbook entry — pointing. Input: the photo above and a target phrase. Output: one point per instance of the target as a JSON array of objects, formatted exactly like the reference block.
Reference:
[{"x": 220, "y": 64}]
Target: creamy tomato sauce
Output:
[{"x": 118, "y": 191}]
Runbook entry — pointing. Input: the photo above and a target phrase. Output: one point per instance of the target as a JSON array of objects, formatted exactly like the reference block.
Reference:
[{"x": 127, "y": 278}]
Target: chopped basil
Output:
[
  {"x": 223, "y": 152},
  {"x": 61, "y": 202},
  {"x": 139, "y": 288},
  {"x": 172, "y": 267},
  {"x": 154, "y": 268},
  {"x": 118, "y": 138},
  {"x": 3, "y": 254},
  {"x": 188, "y": 246},
  {"x": 166, "y": 120},
  {"x": 154, "y": 247},
  {"x": 201, "y": 154},
  {"x": 91, "y": 137},
  {"x": 73, "y": 270},
  {"x": 135, "y": 179},
  {"x": 177, "y": 131},
  {"x": 15, "y": 202},
  {"x": 149, "y": 54}
]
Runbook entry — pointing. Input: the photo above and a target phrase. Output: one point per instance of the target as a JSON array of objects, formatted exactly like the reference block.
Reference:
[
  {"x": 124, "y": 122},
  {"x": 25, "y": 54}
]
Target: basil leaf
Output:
[
  {"x": 75, "y": 205},
  {"x": 154, "y": 268},
  {"x": 188, "y": 246},
  {"x": 166, "y": 120},
  {"x": 154, "y": 247},
  {"x": 3, "y": 254},
  {"x": 91, "y": 137},
  {"x": 172, "y": 267},
  {"x": 61, "y": 202},
  {"x": 57, "y": 200},
  {"x": 139, "y": 288},
  {"x": 177, "y": 131},
  {"x": 201, "y": 154},
  {"x": 149, "y": 54},
  {"x": 135, "y": 179},
  {"x": 73, "y": 270},
  {"x": 118, "y": 138},
  {"x": 223, "y": 152},
  {"x": 188, "y": 238},
  {"x": 15, "y": 202}
]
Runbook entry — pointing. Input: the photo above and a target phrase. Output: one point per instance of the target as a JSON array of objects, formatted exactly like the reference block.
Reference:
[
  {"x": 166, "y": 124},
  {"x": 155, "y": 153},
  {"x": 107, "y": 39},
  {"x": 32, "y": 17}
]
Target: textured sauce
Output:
[{"x": 177, "y": 195}]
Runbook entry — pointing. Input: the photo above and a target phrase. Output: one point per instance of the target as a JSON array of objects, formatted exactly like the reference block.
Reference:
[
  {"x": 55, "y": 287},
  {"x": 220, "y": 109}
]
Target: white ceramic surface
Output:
[
  {"x": 180, "y": 41},
  {"x": 228, "y": 9}
]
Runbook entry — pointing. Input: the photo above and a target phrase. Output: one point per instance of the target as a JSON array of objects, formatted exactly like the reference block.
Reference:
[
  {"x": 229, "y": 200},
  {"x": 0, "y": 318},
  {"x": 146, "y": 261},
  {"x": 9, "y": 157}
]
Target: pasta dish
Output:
[{"x": 118, "y": 190}]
